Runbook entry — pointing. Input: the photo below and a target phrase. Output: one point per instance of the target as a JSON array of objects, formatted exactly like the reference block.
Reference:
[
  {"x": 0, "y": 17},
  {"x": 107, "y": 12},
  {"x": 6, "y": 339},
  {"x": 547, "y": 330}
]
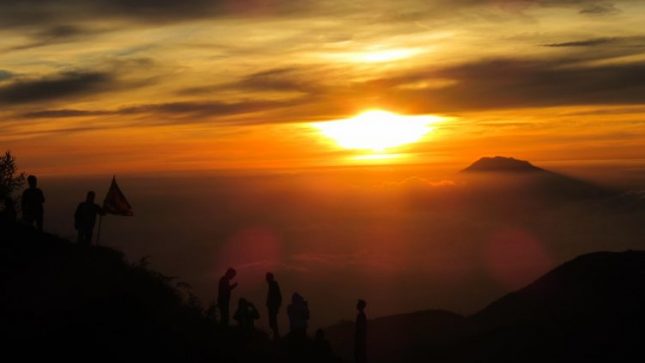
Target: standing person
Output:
[
  {"x": 224, "y": 294},
  {"x": 32, "y": 204},
  {"x": 85, "y": 218},
  {"x": 274, "y": 301},
  {"x": 298, "y": 312},
  {"x": 360, "y": 338}
]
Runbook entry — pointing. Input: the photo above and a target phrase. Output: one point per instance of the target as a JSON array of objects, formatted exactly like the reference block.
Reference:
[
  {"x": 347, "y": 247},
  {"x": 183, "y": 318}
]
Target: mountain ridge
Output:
[
  {"x": 501, "y": 164},
  {"x": 562, "y": 316}
]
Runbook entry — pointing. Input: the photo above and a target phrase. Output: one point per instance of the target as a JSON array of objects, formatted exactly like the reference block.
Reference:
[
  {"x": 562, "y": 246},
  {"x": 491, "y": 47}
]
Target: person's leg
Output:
[
  {"x": 90, "y": 234},
  {"x": 223, "y": 309},
  {"x": 28, "y": 219},
  {"x": 39, "y": 222},
  {"x": 83, "y": 237},
  {"x": 273, "y": 322}
]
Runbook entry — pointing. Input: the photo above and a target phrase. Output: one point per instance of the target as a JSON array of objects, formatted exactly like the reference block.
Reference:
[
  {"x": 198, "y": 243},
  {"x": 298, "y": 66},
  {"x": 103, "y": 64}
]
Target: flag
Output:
[{"x": 115, "y": 202}]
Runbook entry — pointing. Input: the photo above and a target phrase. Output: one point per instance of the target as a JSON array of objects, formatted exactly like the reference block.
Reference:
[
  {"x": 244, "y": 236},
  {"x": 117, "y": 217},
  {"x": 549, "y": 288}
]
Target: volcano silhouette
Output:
[
  {"x": 520, "y": 179},
  {"x": 501, "y": 164}
]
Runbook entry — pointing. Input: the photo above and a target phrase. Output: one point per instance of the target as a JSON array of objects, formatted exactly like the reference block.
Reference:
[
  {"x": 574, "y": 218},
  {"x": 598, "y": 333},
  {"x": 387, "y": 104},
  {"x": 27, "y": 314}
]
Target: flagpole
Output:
[{"x": 98, "y": 233}]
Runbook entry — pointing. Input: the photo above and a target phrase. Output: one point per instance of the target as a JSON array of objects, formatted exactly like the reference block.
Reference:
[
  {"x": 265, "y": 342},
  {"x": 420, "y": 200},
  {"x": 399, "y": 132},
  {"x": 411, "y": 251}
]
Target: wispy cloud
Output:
[{"x": 55, "y": 87}]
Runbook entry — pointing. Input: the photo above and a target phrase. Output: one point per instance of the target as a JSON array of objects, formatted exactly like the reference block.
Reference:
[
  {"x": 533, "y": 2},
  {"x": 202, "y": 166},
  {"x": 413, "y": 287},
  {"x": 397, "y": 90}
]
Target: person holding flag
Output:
[{"x": 85, "y": 218}]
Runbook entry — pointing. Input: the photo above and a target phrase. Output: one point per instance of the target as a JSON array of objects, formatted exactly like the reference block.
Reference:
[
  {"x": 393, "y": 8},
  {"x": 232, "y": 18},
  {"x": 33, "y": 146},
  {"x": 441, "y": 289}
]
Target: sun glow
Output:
[{"x": 377, "y": 130}]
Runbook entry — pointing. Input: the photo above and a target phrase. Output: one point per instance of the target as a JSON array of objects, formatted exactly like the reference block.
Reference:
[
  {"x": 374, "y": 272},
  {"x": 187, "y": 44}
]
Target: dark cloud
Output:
[
  {"x": 55, "y": 35},
  {"x": 35, "y": 12},
  {"x": 513, "y": 83},
  {"x": 4, "y": 75},
  {"x": 584, "y": 43},
  {"x": 196, "y": 111},
  {"x": 282, "y": 79},
  {"x": 39, "y": 12},
  {"x": 599, "y": 9},
  {"x": 613, "y": 41},
  {"x": 56, "y": 87},
  {"x": 63, "y": 113},
  {"x": 287, "y": 79}
]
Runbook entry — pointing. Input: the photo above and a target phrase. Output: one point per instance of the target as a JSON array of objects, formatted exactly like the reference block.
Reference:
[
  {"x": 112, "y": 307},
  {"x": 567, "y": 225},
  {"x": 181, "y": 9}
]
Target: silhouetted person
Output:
[
  {"x": 85, "y": 218},
  {"x": 224, "y": 295},
  {"x": 298, "y": 312},
  {"x": 32, "y": 204},
  {"x": 322, "y": 348},
  {"x": 274, "y": 301},
  {"x": 8, "y": 215},
  {"x": 360, "y": 338},
  {"x": 246, "y": 315}
]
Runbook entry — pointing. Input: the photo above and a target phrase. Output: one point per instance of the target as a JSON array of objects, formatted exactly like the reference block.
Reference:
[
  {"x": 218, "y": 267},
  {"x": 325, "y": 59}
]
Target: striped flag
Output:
[{"x": 115, "y": 202}]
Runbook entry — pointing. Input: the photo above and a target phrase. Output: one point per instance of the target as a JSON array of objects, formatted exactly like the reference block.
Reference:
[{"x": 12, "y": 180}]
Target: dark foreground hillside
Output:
[
  {"x": 591, "y": 309},
  {"x": 59, "y": 300}
]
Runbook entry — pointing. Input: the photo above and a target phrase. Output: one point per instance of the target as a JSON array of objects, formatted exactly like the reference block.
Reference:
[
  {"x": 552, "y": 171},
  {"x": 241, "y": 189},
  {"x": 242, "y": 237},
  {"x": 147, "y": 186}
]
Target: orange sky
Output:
[{"x": 122, "y": 87}]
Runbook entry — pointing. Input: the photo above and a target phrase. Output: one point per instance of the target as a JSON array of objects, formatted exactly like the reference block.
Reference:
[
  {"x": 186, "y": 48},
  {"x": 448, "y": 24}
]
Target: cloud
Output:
[
  {"x": 596, "y": 42},
  {"x": 56, "y": 87},
  {"x": 514, "y": 83},
  {"x": 499, "y": 83},
  {"x": 57, "y": 34},
  {"x": 38, "y": 13},
  {"x": 419, "y": 183},
  {"x": 205, "y": 109},
  {"x": 5, "y": 75},
  {"x": 63, "y": 113},
  {"x": 281, "y": 79},
  {"x": 584, "y": 43},
  {"x": 599, "y": 9},
  {"x": 195, "y": 111}
]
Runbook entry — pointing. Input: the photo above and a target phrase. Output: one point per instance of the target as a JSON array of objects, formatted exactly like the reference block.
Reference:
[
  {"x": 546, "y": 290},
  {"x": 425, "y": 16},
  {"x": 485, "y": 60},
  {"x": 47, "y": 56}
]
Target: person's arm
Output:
[
  {"x": 99, "y": 210},
  {"x": 254, "y": 312},
  {"x": 233, "y": 286},
  {"x": 42, "y": 196},
  {"x": 77, "y": 216}
]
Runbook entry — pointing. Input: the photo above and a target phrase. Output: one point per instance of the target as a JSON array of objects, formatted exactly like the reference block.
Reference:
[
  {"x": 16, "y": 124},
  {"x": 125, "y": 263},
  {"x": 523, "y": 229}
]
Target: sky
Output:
[{"x": 98, "y": 86}]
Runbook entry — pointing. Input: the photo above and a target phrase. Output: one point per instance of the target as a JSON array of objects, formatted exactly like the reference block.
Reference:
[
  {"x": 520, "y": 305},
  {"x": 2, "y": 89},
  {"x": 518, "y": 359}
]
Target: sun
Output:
[{"x": 377, "y": 130}]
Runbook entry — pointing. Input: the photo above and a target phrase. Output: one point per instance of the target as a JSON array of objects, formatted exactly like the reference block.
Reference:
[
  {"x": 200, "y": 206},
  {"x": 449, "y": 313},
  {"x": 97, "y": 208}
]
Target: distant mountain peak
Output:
[{"x": 501, "y": 164}]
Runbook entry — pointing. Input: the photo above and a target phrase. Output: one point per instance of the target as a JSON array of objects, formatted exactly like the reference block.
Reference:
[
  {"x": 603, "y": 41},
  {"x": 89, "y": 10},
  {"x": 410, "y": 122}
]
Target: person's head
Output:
[
  {"x": 360, "y": 306},
  {"x": 320, "y": 334},
  {"x": 270, "y": 277},
  {"x": 32, "y": 180},
  {"x": 297, "y": 298},
  {"x": 242, "y": 303},
  {"x": 90, "y": 197},
  {"x": 230, "y": 273}
]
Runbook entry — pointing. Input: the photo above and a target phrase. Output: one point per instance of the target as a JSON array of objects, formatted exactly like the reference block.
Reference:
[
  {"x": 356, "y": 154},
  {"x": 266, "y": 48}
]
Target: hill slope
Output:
[{"x": 59, "y": 300}]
